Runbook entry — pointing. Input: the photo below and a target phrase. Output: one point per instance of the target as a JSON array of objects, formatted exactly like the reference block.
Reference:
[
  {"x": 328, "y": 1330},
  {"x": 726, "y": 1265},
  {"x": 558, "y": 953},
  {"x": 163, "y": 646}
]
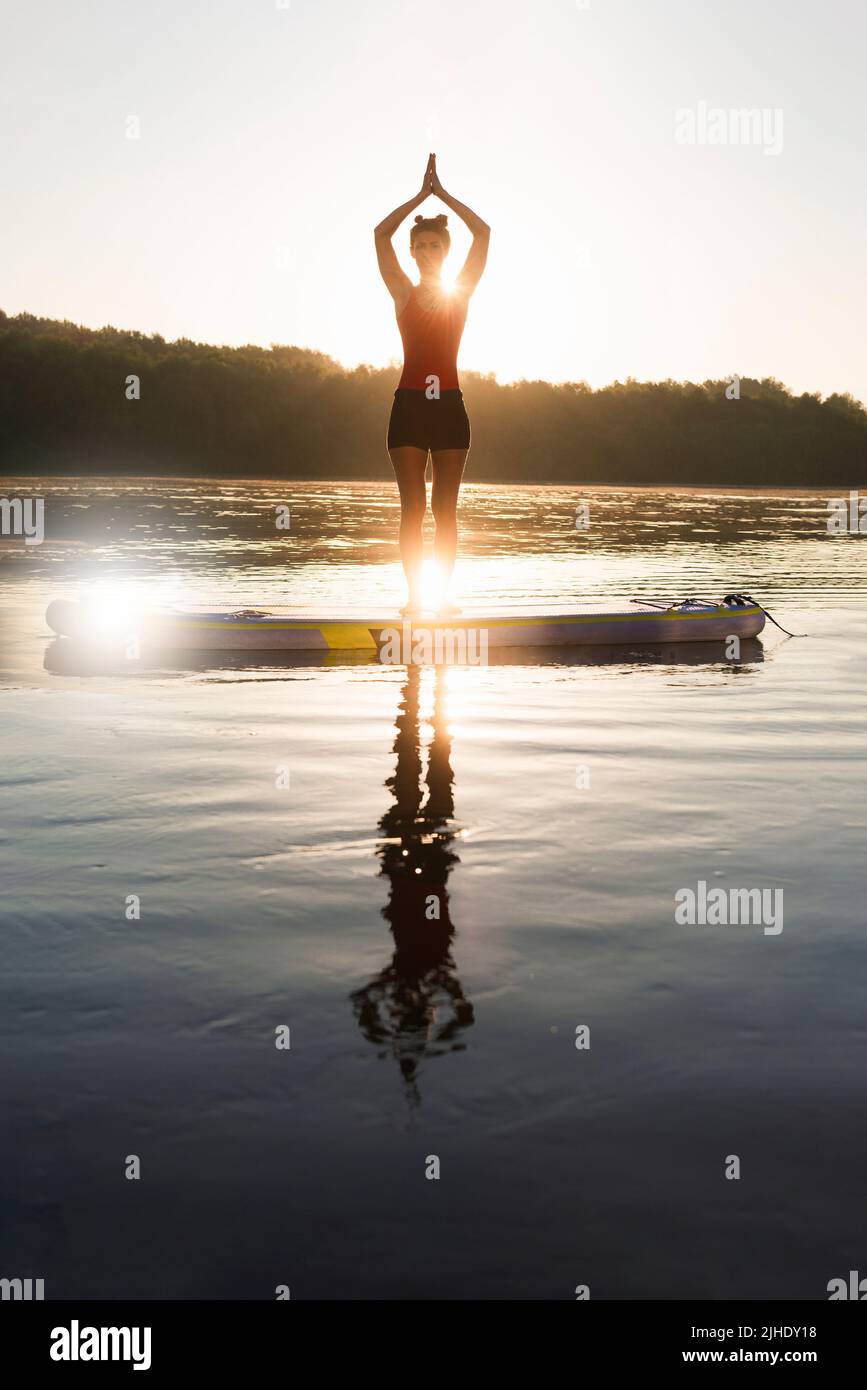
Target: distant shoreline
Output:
[
  {"x": 249, "y": 481},
  {"x": 83, "y": 402}
]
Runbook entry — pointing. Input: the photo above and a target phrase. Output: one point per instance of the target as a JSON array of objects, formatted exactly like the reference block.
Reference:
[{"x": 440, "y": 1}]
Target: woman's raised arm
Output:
[
  {"x": 397, "y": 282},
  {"x": 474, "y": 265}
]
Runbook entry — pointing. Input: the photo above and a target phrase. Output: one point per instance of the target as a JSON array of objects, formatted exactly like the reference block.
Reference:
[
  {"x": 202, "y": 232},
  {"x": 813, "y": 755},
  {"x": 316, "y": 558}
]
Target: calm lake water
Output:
[{"x": 555, "y": 806}]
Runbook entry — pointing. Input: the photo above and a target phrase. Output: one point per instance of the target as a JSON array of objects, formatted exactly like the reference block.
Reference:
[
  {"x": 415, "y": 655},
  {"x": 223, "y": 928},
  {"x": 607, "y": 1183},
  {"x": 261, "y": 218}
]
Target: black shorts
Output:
[{"x": 428, "y": 424}]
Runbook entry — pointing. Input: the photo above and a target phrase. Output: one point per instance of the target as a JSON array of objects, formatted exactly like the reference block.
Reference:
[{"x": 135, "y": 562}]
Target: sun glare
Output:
[{"x": 432, "y": 584}]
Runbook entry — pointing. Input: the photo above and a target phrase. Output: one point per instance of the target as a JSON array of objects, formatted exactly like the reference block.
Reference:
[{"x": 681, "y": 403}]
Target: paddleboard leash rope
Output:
[
  {"x": 746, "y": 598},
  {"x": 735, "y": 600}
]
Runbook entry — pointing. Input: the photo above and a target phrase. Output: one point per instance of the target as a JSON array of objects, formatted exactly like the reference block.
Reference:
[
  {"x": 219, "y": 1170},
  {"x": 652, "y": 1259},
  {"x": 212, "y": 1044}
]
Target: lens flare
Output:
[
  {"x": 433, "y": 585},
  {"x": 110, "y": 613}
]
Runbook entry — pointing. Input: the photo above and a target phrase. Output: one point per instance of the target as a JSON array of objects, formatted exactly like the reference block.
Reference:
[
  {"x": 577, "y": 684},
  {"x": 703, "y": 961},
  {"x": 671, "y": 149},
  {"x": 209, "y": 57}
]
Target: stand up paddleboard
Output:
[{"x": 271, "y": 630}]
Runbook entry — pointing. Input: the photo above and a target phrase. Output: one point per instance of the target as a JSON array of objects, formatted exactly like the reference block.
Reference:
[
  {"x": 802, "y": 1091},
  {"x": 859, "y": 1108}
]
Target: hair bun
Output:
[
  {"x": 418, "y": 217},
  {"x": 441, "y": 218}
]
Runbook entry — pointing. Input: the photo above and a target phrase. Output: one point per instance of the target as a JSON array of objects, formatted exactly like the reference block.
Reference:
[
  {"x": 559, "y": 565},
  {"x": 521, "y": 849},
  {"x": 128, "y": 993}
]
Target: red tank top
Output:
[{"x": 431, "y": 338}]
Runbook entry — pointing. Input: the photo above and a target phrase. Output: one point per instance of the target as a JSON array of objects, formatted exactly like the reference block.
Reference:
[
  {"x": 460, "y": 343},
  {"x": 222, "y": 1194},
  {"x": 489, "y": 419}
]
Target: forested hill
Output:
[{"x": 293, "y": 412}]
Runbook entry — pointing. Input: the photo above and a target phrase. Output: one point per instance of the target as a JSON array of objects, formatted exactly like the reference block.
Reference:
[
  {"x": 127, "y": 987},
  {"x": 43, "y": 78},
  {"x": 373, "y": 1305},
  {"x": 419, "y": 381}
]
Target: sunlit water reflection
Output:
[{"x": 286, "y": 828}]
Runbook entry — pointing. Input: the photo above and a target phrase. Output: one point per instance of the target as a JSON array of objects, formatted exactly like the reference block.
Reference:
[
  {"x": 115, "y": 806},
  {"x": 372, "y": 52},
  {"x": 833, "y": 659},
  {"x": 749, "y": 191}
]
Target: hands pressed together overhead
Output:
[{"x": 431, "y": 182}]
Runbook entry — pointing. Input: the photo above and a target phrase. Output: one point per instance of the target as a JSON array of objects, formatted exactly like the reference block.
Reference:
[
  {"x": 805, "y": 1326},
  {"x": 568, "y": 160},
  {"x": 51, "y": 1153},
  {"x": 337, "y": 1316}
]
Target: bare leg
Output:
[
  {"x": 448, "y": 470},
  {"x": 409, "y": 467}
]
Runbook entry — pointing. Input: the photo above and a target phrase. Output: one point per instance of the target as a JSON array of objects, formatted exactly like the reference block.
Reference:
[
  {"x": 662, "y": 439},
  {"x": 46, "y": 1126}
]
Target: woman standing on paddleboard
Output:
[{"x": 428, "y": 415}]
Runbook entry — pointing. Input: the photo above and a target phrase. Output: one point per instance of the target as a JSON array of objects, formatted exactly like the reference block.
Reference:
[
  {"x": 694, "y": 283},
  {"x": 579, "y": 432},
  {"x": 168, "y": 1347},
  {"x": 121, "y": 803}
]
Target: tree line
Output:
[{"x": 67, "y": 405}]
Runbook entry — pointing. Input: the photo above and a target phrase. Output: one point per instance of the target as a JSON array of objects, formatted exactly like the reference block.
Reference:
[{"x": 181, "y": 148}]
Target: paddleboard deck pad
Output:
[{"x": 392, "y": 637}]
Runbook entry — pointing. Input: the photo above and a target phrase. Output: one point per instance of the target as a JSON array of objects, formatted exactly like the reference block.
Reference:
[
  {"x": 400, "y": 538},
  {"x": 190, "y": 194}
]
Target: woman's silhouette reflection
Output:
[{"x": 415, "y": 1007}]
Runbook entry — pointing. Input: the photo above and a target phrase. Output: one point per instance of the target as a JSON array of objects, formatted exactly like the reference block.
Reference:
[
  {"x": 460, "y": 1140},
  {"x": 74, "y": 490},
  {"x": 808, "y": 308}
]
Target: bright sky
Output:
[{"x": 274, "y": 137}]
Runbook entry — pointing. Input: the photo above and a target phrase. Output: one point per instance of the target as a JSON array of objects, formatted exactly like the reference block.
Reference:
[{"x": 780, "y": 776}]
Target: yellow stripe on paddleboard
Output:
[
  {"x": 341, "y": 636},
  {"x": 463, "y": 623}
]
